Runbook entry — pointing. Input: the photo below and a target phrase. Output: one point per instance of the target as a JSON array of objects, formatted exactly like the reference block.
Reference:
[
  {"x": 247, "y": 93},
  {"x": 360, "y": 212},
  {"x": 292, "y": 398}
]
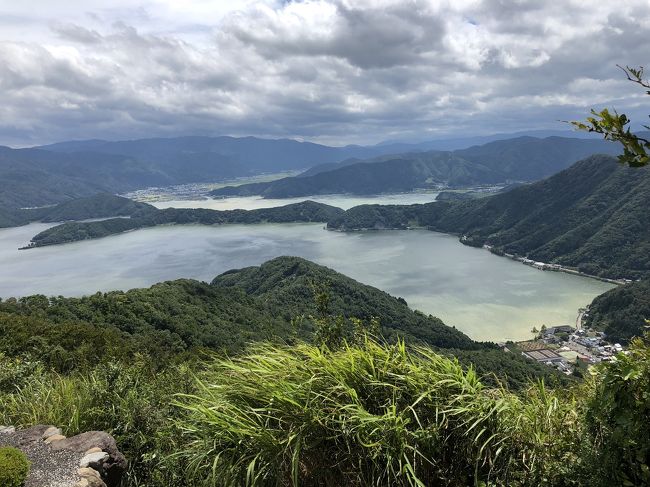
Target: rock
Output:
[
  {"x": 116, "y": 464},
  {"x": 82, "y": 483},
  {"x": 7, "y": 430},
  {"x": 88, "y": 472},
  {"x": 94, "y": 449},
  {"x": 95, "y": 482},
  {"x": 91, "y": 476},
  {"x": 53, "y": 438},
  {"x": 51, "y": 431},
  {"x": 31, "y": 435},
  {"x": 94, "y": 460}
]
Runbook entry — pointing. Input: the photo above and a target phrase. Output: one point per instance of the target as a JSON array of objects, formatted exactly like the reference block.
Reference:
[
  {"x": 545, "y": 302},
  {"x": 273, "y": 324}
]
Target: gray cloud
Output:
[{"x": 336, "y": 71}]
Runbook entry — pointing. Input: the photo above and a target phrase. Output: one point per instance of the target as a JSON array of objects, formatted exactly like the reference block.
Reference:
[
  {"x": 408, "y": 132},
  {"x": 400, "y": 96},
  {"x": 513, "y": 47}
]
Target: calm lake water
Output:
[
  {"x": 488, "y": 297},
  {"x": 342, "y": 201}
]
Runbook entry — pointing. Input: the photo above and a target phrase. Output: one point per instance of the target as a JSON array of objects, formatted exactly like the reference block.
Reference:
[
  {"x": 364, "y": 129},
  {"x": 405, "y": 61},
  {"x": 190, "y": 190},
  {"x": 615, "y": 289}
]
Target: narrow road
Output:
[{"x": 581, "y": 313}]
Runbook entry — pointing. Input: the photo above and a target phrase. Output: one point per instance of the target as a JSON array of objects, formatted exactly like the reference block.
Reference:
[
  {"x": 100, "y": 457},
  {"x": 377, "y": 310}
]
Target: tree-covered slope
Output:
[
  {"x": 59, "y": 172},
  {"x": 304, "y": 212},
  {"x": 531, "y": 158},
  {"x": 424, "y": 170},
  {"x": 289, "y": 283},
  {"x": 238, "y": 307},
  {"x": 250, "y": 153},
  {"x": 622, "y": 312},
  {"x": 592, "y": 216},
  {"x": 101, "y": 205},
  {"x": 34, "y": 177},
  {"x": 518, "y": 159}
]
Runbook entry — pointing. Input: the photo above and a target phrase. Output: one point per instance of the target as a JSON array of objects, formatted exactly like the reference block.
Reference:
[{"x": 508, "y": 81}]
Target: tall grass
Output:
[
  {"x": 369, "y": 414},
  {"x": 132, "y": 402}
]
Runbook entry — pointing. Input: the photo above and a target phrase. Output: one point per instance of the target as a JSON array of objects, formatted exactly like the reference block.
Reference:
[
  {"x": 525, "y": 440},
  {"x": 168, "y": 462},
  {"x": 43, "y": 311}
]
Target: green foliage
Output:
[
  {"x": 368, "y": 414},
  {"x": 617, "y": 419},
  {"x": 14, "y": 467},
  {"x": 364, "y": 414},
  {"x": 621, "y": 312},
  {"x": 615, "y": 127},
  {"x": 307, "y": 211},
  {"x": 274, "y": 302},
  {"x": 592, "y": 217},
  {"x": 519, "y": 159},
  {"x": 130, "y": 400},
  {"x": 101, "y": 205}
]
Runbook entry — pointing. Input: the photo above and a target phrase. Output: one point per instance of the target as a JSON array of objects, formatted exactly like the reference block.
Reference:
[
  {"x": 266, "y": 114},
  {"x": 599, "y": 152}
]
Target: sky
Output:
[{"x": 328, "y": 71}]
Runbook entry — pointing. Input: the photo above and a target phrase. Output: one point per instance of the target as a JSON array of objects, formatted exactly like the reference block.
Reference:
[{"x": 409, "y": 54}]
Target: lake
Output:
[
  {"x": 342, "y": 201},
  {"x": 488, "y": 297}
]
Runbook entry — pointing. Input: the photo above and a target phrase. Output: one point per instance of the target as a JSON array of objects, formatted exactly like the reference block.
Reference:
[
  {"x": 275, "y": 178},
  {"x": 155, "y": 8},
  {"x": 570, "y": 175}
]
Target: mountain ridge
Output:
[
  {"x": 592, "y": 217},
  {"x": 503, "y": 161}
]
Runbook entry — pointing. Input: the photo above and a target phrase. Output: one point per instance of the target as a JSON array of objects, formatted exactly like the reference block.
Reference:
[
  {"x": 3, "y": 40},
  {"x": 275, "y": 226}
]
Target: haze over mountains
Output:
[
  {"x": 59, "y": 172},
  {"x": 518, "y": 159}
]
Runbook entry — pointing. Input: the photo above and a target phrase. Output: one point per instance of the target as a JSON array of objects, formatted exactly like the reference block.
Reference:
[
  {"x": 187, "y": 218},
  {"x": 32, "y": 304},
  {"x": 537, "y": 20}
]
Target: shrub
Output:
[
  {"x": 617, "y": 426},
  {"x": 14, "y": 467}
]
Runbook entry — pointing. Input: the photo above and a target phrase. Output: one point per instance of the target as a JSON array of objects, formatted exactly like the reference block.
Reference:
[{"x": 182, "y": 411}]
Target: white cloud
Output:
[{"x": 331, "y": 70}]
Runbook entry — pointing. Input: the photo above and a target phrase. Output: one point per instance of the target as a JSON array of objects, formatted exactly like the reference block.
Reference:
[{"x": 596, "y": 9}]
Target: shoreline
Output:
[{"x": 542, "y": 266}]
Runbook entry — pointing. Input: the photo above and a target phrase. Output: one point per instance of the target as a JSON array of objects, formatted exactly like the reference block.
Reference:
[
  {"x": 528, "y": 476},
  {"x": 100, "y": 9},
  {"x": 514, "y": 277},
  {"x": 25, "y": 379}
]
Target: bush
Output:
[
  {"x": 617, "y": 425},
  {"x": 14, "y": 467}
]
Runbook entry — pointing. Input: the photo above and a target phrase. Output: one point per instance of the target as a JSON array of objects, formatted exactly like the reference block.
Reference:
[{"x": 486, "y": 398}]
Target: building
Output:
[
  {"x": 544, "y": 356},
  {"x": 559, "y": 329}
]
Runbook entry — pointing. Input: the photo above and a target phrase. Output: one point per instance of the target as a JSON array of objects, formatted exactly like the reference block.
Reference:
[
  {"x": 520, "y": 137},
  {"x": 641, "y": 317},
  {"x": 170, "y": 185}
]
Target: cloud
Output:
[{"x": 337, "y": 71}]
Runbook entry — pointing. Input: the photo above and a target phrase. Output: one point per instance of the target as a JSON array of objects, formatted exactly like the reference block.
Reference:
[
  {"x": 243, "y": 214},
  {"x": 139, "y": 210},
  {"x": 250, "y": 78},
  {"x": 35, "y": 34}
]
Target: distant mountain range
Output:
[
  {"x": 54, "y": 173},
  {"x": 101, "y": 205},
  {"x": 58, "y": 172},
  {"x": 593, "y": 217},
  {"x": 504, "y": 161}
]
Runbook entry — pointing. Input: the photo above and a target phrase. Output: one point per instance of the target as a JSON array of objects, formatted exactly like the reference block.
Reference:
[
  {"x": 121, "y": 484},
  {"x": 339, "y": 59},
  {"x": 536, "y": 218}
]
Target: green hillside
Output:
[
  {"x": 622, "y": 312},
  {"x": 426, "y": 170},
  {"x": 100, "y": 205},
  {"x": 518, "y": 159},
  {"x": 592, "y": 217},
  {"x": 239, "y": 307},
  {"x": 304, "y": 212}
]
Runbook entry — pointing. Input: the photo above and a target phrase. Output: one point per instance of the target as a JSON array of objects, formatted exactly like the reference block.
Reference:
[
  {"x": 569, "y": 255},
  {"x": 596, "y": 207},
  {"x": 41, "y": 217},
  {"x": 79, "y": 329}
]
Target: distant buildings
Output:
[
  {"x": 558, "y": 329},
  {"x": 544, "y": 356}
]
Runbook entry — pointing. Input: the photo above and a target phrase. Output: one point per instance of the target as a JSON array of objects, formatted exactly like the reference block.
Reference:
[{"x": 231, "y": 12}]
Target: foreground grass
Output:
[
  {"x": 369, "y": 415},
  {"x": 364, "y": 414}
]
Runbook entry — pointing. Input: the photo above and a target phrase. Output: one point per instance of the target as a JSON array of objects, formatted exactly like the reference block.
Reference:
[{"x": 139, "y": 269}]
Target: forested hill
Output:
[
  {"x": 251, "y": 154},
  {"x": 101, "y": 205},
  {"x": 239, "y": 307},
  {"x": 427, "y": 170},
  {"x": 52, "y": 174},
  {"x": 518, "y": 159},
  {"x": 593, "y": 216},
  {"x": 33, "y": 177},
  {"x": 304, "y": 212},
  {"x": 622, "y": 312}
]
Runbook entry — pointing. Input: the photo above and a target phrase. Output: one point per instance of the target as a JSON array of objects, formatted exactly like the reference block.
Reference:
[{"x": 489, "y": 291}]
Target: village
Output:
[{"x": 570, "y": 349}]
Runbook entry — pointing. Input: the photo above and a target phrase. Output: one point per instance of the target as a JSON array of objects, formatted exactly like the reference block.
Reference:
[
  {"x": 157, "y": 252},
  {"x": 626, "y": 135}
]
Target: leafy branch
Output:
[{"x": 615, "y": 127}]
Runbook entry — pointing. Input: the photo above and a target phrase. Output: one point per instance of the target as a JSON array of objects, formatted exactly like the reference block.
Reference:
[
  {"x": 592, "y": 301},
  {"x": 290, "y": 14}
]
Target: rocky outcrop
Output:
[{"x": 89, "y": 459}]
